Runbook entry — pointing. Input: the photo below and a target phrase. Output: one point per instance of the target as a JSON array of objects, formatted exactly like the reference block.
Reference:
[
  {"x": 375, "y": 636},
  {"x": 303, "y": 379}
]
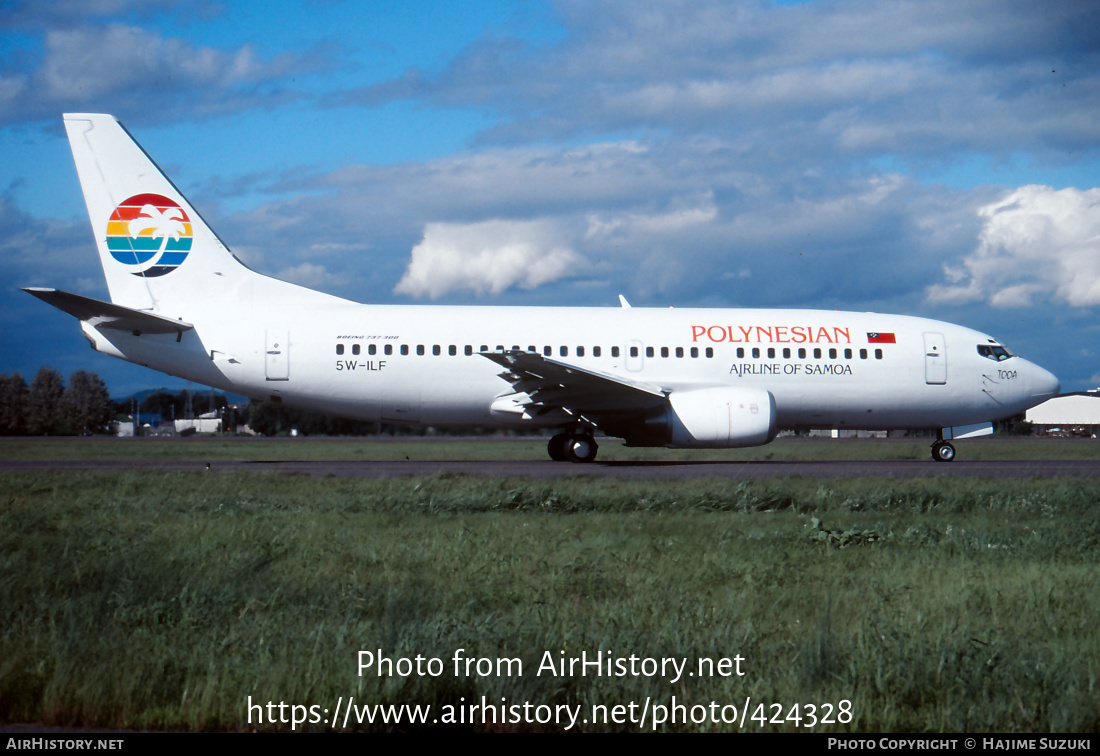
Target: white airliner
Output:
[{"x": 183, "y": 304}]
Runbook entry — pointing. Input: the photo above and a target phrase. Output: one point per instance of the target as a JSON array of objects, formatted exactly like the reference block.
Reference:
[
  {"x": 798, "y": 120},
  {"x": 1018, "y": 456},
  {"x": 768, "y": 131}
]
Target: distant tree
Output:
[
  {"x": 204, "y": 402},
  {"x": 161, "y": 403},
  {"x": 13, "y": 405},
  {"x": 1022, "y": 428},
  {"x": 45, "y": 413},
  {"x": 267, "y": 418},
  {"x": 88, "y": 404}
]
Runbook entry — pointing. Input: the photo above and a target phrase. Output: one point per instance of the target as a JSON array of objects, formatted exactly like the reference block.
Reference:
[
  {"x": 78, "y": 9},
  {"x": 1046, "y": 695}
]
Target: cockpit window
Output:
[{"x": 994, "y": 352}]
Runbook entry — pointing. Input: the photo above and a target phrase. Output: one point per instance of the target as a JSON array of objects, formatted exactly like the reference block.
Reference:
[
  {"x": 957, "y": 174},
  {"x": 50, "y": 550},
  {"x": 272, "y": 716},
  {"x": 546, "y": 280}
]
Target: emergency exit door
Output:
[
  {"x": 278, "y": 356},
  {"x": 935, "y": 359}
]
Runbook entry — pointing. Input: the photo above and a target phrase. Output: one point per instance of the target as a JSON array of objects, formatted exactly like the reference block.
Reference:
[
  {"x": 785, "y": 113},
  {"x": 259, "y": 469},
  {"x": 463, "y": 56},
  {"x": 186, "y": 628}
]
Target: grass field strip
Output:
[{"x": 943, "y": 605}]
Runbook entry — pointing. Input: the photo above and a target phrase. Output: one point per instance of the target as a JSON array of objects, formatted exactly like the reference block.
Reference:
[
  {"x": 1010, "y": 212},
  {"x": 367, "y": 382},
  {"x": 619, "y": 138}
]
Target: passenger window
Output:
[
  {"x": 469, "y": 350},
  {"x": 740, "y": 352},
  {"x": 771, "y": 353},
  {"x": 695, "y": 351},
  {"x": 633, "y": 351},
  {"x": 878, "y": 354},
  {"x": 649, "y": 351},
  {"x": 563, "y": 351},
  {"x": 664, "y": 351},
  {"x": 847, "y": 354},
  {"x": 532, "y": 350},
  {"x": 710, "y": 352},
  {"x": 756, "y": 353},
  {"x": 388, "y": 349},
  {"x": 436, "y": 350},
  {"x": 339, "y": 349},
  {"x": 485, "y": 347},
  {"x": 802, "y": 353},
  {"x": 786, "y": 353},
  {"x": 679, "y": 351},
  {"x": 580, "y": 351},
  {"x": 404, "y": 349},
  {"x": 832, "y": 354},
  {"x": 596, "y": 351},
  {"x": 372, "y": 349},
  {"x": 548, "y": 351},
  {"x": 420, "y": 350},
  {"x": 452, "y": 350},
  {"x": 817, "y": 354},
  {"x": 614, "y": 351},
  {"x": 355, "y": 349},
  {"x": 863, "y": 354}
]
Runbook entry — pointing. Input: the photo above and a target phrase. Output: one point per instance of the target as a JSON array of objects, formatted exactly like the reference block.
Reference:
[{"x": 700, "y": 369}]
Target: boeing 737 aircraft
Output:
[{"x": 183, "y": 304}]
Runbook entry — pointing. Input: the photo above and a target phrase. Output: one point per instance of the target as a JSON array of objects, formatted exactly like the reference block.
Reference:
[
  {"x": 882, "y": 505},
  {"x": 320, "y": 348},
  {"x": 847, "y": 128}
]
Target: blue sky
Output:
[{"x": 936, "y": 158}]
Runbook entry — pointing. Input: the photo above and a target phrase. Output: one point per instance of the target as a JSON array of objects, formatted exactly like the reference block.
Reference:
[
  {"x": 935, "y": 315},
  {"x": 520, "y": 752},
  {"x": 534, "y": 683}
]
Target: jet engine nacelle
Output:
[{"x": 718, "y": 418}]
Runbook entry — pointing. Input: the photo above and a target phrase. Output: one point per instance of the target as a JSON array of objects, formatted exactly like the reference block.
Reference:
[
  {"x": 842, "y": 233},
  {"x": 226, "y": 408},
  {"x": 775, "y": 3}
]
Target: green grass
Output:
[
  {"x": 163, "y": 601},
  {"x": 444, "y": 448}
]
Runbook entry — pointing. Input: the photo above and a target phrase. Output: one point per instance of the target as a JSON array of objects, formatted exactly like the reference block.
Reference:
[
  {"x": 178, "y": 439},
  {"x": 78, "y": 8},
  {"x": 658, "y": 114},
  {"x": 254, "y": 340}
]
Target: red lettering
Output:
[{"x": 776, "y": 334}]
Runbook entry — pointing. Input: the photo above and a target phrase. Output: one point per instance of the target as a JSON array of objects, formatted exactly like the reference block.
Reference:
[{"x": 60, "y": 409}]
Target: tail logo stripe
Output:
[{"x": 150, "y": 234}]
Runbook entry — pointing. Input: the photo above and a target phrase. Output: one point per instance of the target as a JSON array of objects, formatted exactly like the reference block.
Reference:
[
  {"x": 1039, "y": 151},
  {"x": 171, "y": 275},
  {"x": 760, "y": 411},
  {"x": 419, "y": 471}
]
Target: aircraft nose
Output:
[{"x": 1044, "y": 384}]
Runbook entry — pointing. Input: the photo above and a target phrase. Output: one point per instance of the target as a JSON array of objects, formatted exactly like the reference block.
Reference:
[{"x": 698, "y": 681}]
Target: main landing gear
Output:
[
  {"x": 943, "y": 451},
  {"x": 572, "y": 447}
]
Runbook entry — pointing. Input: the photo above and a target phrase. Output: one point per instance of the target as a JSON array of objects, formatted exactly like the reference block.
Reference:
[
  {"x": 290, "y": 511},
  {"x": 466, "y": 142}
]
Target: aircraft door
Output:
[
  {"x": 635, "y": 355},
  {"x": 277, "y": 362},
  {"x": 935, "y": 359}
]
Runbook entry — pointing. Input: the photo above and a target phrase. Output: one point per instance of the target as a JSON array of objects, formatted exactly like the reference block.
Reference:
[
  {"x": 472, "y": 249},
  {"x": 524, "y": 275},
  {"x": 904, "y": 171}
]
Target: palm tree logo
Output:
[
  {"x": 164, "y": 224},
  {"x": 149, "y": 234}
]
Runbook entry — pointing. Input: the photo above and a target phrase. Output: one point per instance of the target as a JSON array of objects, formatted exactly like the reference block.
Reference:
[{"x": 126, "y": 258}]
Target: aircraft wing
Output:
[
  {"x": 542, "y": 384},
  {"x": 107, "y": 315}
]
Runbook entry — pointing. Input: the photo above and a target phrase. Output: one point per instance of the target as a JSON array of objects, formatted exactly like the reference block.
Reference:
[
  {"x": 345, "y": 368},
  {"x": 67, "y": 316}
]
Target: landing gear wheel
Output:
[
  {"x": 943, "y": 452},
  {"x": 581, "y": 448},
  {"x": 556, "y": 447}
]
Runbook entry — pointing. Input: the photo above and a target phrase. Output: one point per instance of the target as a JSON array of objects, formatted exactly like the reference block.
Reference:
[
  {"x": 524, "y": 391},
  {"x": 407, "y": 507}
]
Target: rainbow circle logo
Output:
[{"x": 150, "y": 234}]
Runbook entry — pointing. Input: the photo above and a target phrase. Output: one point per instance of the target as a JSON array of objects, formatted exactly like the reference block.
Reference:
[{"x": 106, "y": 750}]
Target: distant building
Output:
[
  {"x": 846, "y": 433},
  {"x": 1069, "y": 414},
  {"x": 203, "y": 424}
]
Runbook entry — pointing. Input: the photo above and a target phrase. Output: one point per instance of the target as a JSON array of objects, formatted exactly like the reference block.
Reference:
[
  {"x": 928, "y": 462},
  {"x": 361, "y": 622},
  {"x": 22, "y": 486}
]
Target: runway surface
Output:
[{"x": 740, "y": 470}]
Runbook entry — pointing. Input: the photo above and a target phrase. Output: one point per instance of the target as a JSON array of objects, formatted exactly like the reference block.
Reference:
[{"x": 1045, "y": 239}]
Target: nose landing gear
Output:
[{"x": 572, "y": 447}]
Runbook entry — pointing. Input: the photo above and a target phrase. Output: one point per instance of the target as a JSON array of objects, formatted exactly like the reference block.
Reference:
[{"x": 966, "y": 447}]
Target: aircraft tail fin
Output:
[{"x": 158, "y": 253}]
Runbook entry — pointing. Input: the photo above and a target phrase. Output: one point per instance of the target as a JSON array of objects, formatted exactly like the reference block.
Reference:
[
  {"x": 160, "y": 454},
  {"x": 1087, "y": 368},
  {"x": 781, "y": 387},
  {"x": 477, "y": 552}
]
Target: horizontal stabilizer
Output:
[{"x": 106, "y": 315}]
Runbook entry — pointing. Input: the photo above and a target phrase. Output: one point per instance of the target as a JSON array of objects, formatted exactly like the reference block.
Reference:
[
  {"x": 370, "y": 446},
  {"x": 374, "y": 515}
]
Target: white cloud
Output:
[
  {"x": 808, "y": 81},
  {"x": 489, "y": 257},
  {"x": 1036, "y": 241},
  {"x": 119, "y": 68},
  {"x": 83, "y": 64}
]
